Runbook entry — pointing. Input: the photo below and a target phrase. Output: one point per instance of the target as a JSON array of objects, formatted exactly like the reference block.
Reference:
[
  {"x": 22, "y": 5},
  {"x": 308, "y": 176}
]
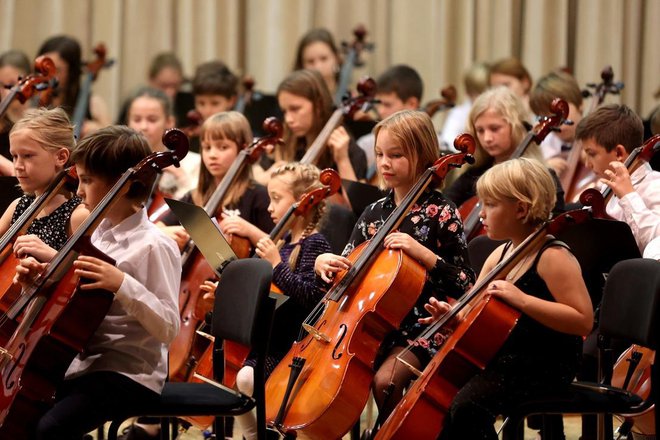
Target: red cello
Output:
[
  {"x": 82, "y": 104},
  {"x": 322, "y": 384},
  {"x": 65, "y": 182},
  {"x": 31, "y": 84},
  {"x": 236, "y": 354},
  {"x": 183, "y": 355},
  {"x": 51, "y": 321},
  {"x": 471, "y": 342},
  {"x": 470, "y": 208},
  {"x": 577, "y": 177}
]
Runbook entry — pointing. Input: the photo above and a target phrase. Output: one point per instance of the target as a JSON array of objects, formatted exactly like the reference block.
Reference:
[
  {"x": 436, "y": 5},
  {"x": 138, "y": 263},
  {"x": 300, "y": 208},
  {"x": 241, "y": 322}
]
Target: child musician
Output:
[{"x": 127, "y": 355}]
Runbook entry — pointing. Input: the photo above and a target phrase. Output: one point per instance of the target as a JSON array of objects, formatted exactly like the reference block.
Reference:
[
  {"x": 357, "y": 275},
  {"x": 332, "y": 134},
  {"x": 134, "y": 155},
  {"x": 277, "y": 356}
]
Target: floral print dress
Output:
[{"x": 435, "y": 223}]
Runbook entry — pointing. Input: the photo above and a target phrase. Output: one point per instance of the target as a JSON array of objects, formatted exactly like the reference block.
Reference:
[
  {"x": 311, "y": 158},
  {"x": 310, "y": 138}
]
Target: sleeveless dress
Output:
[
  {"x": 52, "y": 229},
  {"x": 534, "y": 360}
]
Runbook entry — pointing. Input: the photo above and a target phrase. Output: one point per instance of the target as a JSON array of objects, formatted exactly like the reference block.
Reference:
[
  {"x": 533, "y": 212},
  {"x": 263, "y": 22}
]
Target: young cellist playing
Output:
[
  {"x": 40, "y": 145},
  {"x": 432, "y": 233},
  {"x": 245, "y": 207},
  {"x": 127, "y": 355},
  {"x": 543, "y": 351},
  {"x": 293, "y": 271}
]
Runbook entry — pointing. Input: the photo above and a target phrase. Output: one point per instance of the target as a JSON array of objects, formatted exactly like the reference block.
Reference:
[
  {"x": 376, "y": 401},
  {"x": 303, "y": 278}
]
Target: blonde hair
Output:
[
  {"x": 509, "y": 107},
  {"x": 52, "y": 129},
  {"x": 301, "y": 179},
  {"x": 231, "y": 126},
  {"x": 413, "y": 131},
  {"x": 523, "y": 179}
]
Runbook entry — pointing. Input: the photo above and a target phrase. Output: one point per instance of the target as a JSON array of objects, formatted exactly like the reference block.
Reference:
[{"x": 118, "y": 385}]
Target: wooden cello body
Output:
[
  {"x": 470, "y": 342},
  {"x": 51, "y": 322},
  {"x": 64, "y": 181},
  {"x": 322, "y": 384},
  {"x": 632, "y": 371},
  {"x": 185, "y": 352}
]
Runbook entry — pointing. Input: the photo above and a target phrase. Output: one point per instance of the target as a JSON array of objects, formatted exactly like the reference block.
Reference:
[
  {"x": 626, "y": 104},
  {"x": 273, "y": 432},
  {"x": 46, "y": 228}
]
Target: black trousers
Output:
[{"x": 86, "y": 402}]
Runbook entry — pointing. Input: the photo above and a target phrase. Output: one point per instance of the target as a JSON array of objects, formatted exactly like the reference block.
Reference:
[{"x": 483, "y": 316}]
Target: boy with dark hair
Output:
[
  {"x": 215, "y": 88},
  {"x": 608, "y": 136},
  {"x": 126, "y": 358},
  {"x": 398, "y": 88}
]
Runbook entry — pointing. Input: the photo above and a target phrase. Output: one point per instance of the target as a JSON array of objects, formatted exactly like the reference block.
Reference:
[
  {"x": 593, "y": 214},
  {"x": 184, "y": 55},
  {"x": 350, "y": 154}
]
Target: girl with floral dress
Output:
[{"x": 432, "y": 233}]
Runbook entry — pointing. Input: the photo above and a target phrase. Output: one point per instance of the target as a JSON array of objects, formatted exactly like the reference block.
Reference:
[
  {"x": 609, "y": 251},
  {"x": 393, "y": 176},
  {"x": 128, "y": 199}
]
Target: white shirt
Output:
[
  {"x": 641, "y": 208},
  {"x": 551, "y": 145},
  {"x": 134, "y": 337},
  {"x": 652, "y": 250},
  {"x": 456, "y": 123},
  {"x": 179, "y": 187}
]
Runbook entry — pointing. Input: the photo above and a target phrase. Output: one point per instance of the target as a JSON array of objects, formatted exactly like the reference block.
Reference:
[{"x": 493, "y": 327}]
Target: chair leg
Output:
[{"x": 514, "y": 429}]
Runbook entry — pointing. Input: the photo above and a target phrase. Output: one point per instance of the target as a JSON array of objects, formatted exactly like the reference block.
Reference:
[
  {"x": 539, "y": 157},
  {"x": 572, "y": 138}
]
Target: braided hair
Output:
[{"x": 301, "y": 179}]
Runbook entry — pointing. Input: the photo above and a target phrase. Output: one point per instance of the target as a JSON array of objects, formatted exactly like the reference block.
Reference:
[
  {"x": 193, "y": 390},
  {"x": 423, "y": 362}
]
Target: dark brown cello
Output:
[
  {"x": 193, "y": 308},
  {"x": 322, "y": 384},
  {"x": 352, "y": 59},
  {"x": 82, "y": 104},
  {"x": 447, "y": 101},
  {"x": 236, "y": 354},
  {"x": 577, "y": 177},
  {"x": 470, "y": 342},
  {"x": 51, "y": 321},
  {"x": 470, "y": 208}
]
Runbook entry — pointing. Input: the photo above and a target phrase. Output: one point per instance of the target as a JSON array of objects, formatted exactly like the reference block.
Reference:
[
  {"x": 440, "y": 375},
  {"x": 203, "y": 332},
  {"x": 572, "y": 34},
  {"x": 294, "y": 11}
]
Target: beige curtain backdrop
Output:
[{"x": 440, "y": 38}]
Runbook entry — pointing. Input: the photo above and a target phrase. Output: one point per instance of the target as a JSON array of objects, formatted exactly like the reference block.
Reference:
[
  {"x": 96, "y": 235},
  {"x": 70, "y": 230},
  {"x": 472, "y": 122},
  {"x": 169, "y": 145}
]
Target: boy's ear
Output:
[
  {"x": 232, "y": 102},
  {"x": 621, "y": 152},
  {"x": 412, "y": 103}
]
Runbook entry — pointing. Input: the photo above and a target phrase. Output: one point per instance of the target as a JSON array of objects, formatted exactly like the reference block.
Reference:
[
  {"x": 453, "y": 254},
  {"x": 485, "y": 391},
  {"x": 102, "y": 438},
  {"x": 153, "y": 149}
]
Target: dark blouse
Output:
[
  {"x": 304, "y": 291},
  {"x": 434, "y": 223},
  {"x": 252, "y": 206},
  {"x": 356, "y": 155},
  {"x": 52, "y": 229},
  {"x": 465, "y": 187}
]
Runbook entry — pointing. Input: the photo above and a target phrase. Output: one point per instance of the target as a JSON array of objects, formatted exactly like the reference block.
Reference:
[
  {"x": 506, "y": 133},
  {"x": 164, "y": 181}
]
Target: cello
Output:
[
  {"x": 28, "y": 86},
  {"x": 447, "y": 101},
  {"x": 353, "y": 53},
  {"x": 82, "y": 103},
  {"x": 65, "y": 181},
  {"x": 470, "y": 342},
  {"x": 577, "y": 177},
  {"x": 236, "y": 354},
  {"x": 632, "y": 372},
  {"x": 183, "y": 355},
  {"x": 470, "y": 208},
  {"x": 51, "y": 321},
  {"x": 322, "y": 384}
]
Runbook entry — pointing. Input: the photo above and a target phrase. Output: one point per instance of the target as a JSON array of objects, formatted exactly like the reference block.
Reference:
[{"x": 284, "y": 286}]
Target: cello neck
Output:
[
  {"x": 82, "y": 105},
  {"x": 314, "y": 152}
]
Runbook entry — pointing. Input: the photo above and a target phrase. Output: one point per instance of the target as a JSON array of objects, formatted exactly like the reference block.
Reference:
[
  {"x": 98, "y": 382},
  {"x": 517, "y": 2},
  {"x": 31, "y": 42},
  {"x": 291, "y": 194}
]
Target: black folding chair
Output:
[{"x": 243, "y": 312}]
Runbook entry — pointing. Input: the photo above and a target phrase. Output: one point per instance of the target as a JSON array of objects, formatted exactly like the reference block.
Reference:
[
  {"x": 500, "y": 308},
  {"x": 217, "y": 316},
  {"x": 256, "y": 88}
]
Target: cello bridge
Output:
[{"x": 315, "y": 333}]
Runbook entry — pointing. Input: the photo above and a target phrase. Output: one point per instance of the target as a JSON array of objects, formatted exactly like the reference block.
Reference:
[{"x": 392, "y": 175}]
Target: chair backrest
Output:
[
  {"x": 479, "y": 248},
  {"x": 631, "y": 302},
  {"x": 240, "y": 311}
]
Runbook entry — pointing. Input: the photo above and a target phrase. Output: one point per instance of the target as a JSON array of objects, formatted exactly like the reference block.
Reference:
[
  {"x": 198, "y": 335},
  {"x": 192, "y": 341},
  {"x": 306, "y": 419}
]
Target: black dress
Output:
[{"x": 534, "y": 359}]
